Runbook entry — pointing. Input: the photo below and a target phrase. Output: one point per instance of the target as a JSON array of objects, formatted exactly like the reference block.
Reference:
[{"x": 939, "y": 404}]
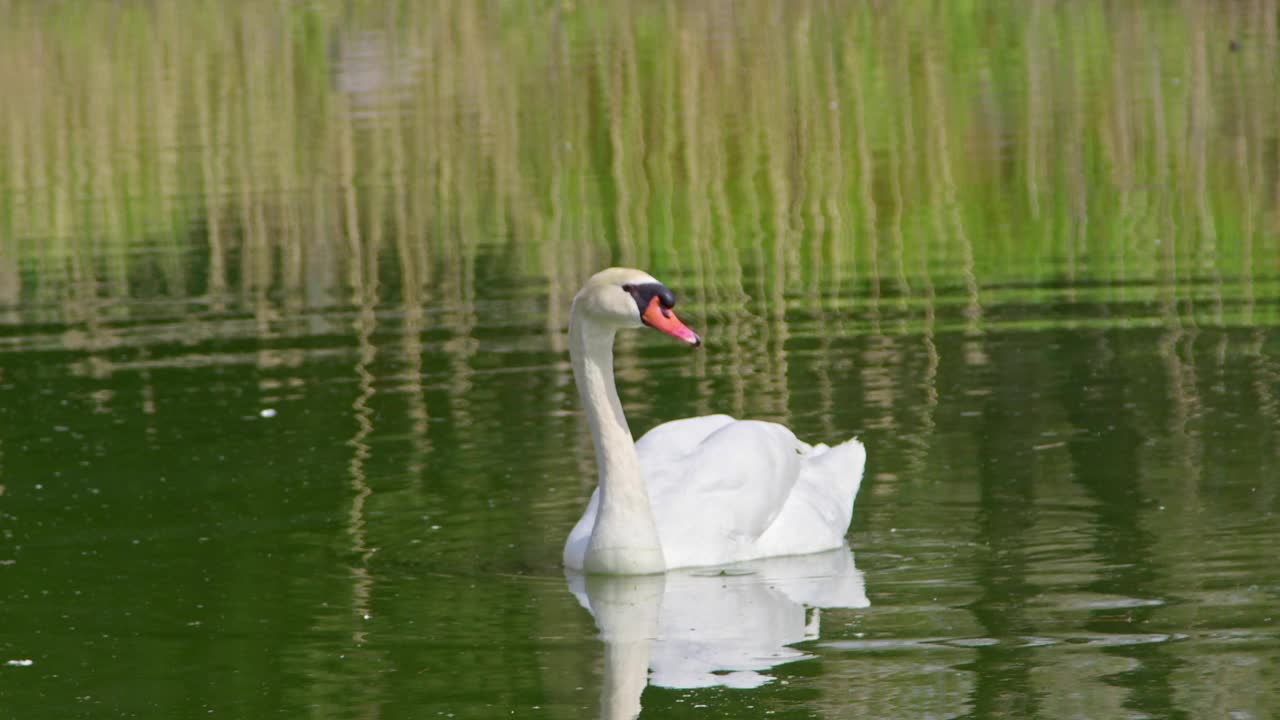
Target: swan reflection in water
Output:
[{"x": 705, "y": 627}]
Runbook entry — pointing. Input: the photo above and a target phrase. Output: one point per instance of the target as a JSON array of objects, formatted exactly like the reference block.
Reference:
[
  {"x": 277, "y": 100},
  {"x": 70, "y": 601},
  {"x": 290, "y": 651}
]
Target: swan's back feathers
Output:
[{"x": 678, "y": 438}]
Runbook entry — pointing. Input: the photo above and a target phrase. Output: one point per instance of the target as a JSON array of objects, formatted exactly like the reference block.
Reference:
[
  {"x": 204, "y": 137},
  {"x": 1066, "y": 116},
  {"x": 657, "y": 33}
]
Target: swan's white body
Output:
[{"x": 701, "y": 491}]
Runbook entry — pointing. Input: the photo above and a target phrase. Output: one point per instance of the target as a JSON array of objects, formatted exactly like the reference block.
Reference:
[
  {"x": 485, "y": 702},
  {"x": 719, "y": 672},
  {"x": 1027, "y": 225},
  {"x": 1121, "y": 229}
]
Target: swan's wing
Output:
[
  {"x": 712, "y": 502},
  {"x": 678, "y": 438}
]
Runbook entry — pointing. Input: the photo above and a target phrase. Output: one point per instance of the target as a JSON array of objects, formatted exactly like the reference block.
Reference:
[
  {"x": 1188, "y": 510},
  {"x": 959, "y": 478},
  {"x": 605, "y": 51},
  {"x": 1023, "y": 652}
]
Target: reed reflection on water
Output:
[
  {"x": 325, "y": 153},
  {"x": 1030, "y": 260}
]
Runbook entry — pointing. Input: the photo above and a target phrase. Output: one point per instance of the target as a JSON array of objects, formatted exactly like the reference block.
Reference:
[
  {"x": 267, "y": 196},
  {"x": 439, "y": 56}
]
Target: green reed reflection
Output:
[{"x": 293, "y": 145}]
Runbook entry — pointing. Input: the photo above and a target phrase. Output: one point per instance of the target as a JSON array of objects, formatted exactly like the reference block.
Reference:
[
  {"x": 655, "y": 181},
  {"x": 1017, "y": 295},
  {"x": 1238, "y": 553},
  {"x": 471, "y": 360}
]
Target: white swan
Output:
[{"x": 700, "y": 491}]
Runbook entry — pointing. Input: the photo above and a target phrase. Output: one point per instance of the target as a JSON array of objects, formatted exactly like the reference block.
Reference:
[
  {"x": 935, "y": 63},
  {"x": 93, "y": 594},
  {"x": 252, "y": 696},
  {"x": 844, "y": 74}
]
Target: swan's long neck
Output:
[{"x": 624, "y": 539}]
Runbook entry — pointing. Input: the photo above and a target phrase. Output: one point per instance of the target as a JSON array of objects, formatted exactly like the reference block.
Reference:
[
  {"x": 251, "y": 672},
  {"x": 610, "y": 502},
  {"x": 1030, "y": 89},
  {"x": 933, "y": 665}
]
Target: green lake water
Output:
[{"x": 288, "y": 426}]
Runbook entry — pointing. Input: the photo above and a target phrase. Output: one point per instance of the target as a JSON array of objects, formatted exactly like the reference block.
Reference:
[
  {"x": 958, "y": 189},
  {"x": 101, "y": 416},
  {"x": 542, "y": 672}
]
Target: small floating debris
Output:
[
  {"x": 267, "y": 412},
  {"x": 722, "y": 572},
  {"x": 25, "y": 662}
]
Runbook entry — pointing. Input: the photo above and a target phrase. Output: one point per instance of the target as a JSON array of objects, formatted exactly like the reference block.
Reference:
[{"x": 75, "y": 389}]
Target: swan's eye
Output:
[
  {"x": 645, "y": 293},
  {"x": 666, "y": 297}
]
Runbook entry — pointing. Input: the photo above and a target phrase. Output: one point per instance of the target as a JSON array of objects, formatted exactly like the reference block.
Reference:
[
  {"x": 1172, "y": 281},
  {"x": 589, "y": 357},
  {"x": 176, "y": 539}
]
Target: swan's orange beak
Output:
[{"x": 663, "y": 320}]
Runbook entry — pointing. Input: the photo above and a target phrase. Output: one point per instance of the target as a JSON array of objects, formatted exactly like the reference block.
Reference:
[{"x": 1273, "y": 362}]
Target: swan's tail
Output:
[
  {"x": 837, "y": 472},
  {"x": 816, "y": 515}
]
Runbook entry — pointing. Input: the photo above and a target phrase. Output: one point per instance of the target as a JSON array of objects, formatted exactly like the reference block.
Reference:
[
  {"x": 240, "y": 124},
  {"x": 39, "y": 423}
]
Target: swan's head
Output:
[{"x": 626, "y": 298}]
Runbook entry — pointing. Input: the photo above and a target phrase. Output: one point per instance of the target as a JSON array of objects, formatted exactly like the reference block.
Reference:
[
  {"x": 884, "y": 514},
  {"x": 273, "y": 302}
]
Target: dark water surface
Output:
[
  {"x": 1073, "y": 521},
  {"x": 287, "y": 422}
]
